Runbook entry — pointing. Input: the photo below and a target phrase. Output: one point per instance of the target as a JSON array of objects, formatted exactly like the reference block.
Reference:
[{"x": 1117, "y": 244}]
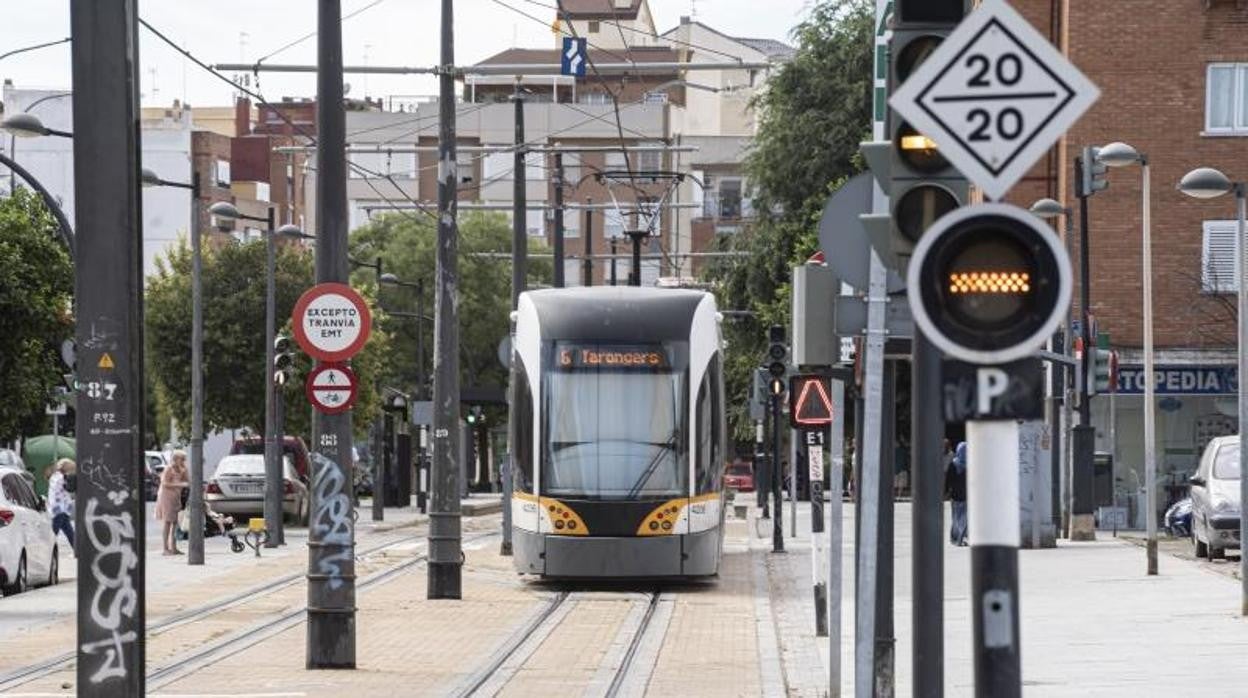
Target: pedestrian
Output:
[
  {"x": 169, "y": 501},
  {"x": 955, "y": 489},
  {"x": 61, "y": 488}
]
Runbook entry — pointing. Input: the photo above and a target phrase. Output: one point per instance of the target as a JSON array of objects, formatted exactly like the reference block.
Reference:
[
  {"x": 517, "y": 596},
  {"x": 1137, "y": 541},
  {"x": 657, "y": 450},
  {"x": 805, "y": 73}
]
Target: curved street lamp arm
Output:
[
  {"x": 67, "y": 231},
  {"x": 32, "y": 48}
]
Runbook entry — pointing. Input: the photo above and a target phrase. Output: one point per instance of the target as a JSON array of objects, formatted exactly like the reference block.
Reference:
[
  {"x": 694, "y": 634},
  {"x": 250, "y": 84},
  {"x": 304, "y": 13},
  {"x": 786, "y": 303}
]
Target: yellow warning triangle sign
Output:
[{"x": 106, "y": 361}]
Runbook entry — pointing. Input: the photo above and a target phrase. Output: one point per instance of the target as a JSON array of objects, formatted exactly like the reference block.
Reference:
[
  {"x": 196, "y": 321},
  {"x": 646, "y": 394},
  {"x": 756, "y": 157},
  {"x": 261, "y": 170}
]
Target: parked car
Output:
[
  {"x": 1216, "y": 506},
  {"x": 153, "y": 466},
  {"x": 1178, "y": 518},
  {"x": 237, "y": 489},
  {"x": 739, "y": 476},
  {"x": 28, "y": 549},
  {"x": 292, "y": 447}
]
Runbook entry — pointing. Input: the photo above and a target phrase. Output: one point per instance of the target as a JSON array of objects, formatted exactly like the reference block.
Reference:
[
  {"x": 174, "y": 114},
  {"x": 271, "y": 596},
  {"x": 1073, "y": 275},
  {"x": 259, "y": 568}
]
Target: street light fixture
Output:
[
  {"x": 1208, "y": 183},
  {"x": 25, "y": 125},
  {"x": 1120, "y": 154},
  {"x": 272, "y": 462}
]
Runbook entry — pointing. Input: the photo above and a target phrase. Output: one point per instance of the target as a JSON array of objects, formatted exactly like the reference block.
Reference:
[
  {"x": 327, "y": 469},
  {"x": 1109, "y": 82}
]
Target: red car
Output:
[{"x": 739, "y": 476}]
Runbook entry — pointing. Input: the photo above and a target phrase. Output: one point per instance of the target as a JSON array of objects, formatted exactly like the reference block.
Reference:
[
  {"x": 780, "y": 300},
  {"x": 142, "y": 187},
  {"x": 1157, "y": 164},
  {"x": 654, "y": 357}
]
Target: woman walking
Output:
[
  {"x": 169, "y": 500},
  {"x": 61, "y": 499}
]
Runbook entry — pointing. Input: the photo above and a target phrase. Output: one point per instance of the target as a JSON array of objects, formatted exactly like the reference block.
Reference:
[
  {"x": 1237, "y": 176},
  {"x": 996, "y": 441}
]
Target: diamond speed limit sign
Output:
[{"x": 994, "y": 97}]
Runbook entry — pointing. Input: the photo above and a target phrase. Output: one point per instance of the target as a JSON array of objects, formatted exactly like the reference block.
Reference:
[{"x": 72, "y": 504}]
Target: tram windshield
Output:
[{"x": 614, "y": 424}]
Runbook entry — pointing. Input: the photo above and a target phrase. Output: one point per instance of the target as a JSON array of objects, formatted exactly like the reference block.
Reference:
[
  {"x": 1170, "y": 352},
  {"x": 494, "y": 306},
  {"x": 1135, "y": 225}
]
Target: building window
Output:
[
  {"x": 612, "y": 223},
  {"x": 598, "y": 98},
  {"x": 650, "y": 160},
  {"x": 1218, "y": 255},
  {"x": 223, "y": 173},
  {"x": 615, "y": 161},
  {"x": 730, "y": 198},
  {"x": 535, "y": 222},
  {"x": 593, "y": 27},
  {"x": 1226, "y": 101}
]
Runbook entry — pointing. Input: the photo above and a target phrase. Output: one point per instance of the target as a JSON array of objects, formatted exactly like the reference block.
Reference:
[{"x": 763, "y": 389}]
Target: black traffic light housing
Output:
[
  {"x": 1092, "y": 174},
  {"x": 777, "y": 352},
  {"x": 920, "y": 182},
  {"x": 283, "y": 359}
]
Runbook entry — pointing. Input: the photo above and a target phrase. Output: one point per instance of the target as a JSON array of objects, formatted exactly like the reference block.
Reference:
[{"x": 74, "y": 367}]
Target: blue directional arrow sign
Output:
[{"x": 572, "y": 61}]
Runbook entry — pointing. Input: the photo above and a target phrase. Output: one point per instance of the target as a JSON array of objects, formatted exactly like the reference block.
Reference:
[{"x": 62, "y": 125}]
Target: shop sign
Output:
[{"x": 1180, "y": 380}]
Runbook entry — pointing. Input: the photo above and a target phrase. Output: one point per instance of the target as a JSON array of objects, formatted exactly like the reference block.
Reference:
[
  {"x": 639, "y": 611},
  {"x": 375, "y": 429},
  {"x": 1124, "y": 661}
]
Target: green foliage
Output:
[
  {"x": 814, "y": 113},
  {"x": 406, "y": 246},
  {"x": 36, "y": 287},
  {"x": 234, "y": 339}
]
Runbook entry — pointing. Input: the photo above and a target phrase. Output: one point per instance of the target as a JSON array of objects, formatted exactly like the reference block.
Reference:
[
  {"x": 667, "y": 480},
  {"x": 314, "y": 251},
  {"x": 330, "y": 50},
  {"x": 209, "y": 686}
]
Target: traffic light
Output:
[
  {"x": 475, "y": 416},
  {"x": 777, "y": 359},
  {"x": 920, "y": 182},
  {"x": 989, "y": 284},
  {"x": 283, "y": 359},
  {"x": 1093, "y": 172}
]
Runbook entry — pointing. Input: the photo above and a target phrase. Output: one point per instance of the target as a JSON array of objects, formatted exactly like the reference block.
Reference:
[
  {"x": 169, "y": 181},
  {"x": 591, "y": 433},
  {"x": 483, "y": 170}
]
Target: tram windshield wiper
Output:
[{"x": 653, "y": 465}]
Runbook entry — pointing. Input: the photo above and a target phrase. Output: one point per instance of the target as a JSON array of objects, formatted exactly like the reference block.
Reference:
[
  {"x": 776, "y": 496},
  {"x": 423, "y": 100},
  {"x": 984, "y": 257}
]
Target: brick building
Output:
[{"x": 1173, "y": 76}]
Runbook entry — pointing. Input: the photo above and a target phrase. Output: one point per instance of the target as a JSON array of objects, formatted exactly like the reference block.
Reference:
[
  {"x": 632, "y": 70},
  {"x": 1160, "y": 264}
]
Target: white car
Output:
[
  {"x": 237, "y": 489},
  {"x": 28, "y": 550}
]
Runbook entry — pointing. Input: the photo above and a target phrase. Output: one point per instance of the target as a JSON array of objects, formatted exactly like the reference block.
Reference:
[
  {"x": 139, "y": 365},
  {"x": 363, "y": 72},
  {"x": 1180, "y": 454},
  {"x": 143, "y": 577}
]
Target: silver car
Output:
[
  {"x": 237, "y": 489},
  {"x": 1215, "y": 499},
  {"x": 28, "y": 549}
]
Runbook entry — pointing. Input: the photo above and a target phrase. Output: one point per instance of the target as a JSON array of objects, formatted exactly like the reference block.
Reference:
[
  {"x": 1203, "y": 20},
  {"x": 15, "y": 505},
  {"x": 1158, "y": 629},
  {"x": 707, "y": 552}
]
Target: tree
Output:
[
  {"x": 811, "y": 118},
  {"x": 234, "y": 340},
  {"x": 406, "y": 246},
  {"x": 36, "y": 291}
]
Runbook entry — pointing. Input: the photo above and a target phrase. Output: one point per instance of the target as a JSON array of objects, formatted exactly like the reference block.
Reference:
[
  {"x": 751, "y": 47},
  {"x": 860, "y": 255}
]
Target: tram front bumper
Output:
[{"x": 610, "y": 557}]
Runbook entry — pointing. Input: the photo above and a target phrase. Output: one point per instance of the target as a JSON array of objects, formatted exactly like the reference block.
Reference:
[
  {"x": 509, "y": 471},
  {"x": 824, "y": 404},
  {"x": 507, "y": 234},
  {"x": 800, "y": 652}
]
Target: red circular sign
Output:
[
  {"x": 331, "y": 322},
  {"x": 332, "y": 388}
]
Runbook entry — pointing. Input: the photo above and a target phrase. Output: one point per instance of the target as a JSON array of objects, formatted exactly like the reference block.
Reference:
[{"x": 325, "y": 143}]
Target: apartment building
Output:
[
  {"x": 693, "y": 122},
  {"x": 1174, "y": 84}
]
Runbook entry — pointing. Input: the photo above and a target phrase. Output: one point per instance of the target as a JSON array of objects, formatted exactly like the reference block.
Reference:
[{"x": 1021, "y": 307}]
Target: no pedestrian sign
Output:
[
  {"x": 994, "y": 97},
  {"x": 332, "y": 388},
  {"x": 331, "y": 322}
]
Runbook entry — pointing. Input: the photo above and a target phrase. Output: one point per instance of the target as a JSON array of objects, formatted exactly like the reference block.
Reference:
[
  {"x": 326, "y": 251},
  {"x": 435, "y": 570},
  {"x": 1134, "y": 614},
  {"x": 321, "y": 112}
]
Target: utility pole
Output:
[
  {"x": 195, "y": 498},
  {"x": 108, "y": 289},
  {"x": 589, "y": 244},
  {"x": 331, "y": 529},
  {"x": 927, "y": 621},
  {"x": 272, "y": 460},
  {"x": 885, "y": 642},
  {"x": 519, "y": 237},
  {"x": 445, "y": 561},
  {"x": 557, "y": 180}
]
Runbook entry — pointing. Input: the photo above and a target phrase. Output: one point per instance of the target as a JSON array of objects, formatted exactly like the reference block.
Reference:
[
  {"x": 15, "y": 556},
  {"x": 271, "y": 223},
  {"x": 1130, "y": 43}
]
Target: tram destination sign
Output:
[
  {"x": 571, "y": 357},
  {"x": 994, "y": 97}
]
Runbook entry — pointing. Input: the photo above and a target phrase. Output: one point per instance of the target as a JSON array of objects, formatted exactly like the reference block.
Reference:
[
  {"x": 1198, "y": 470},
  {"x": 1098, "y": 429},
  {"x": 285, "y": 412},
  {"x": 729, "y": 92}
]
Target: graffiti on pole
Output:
[
  {"x": 331, "y": 520},
  {"x": 115, "y": 599}
]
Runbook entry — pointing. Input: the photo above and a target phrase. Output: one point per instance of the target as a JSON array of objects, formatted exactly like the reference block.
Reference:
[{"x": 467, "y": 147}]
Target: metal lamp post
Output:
[
  {"x": 22, "y": 127},
  {"x": 1208, "y": 183},
  {"x": 27, "y": 125},
  {"x": 1121, "y": 155},
  {"x": 195, "y": 498},
  {"x": 272, "y": 462},
  {"x": 1049, "y": 209}
]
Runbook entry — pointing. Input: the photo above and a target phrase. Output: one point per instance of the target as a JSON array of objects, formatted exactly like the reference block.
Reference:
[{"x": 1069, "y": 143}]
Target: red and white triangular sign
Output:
[{"x": 812, "y": 406}]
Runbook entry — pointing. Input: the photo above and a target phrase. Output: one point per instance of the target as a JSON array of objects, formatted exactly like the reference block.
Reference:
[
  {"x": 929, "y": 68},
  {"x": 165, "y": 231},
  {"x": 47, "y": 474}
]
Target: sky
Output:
[{"x": 387, "y": 32}]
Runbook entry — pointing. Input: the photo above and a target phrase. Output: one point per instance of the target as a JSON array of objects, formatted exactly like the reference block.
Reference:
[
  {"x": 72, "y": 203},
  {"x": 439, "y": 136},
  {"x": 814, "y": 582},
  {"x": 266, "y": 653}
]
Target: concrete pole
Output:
[
  {"x": 195, "y": 498},
  {"x": 108, "y": 289},
  {"x": 557, "y": 180},
  {"x": 519, "y": 211},
  {"x": 445, "y": 553},
  {"x": 331, "y": 529},
  {"x": 272, "y": 460},
  {"x": 835, "y": 537}
]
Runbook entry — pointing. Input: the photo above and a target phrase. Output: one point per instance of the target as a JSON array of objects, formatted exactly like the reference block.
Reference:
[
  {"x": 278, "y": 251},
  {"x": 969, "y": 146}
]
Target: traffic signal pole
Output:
[
  {"x": 331, "y": 526},
  {"x": 272, "y": 461},
  {"x": 777, "y": 526},
  {"x": 108, "y": 290},
  {"x": 927, "y": 621},
  {"x": 992, "y": 483},
  {"x": 1083, "y": 437},
  {"x": 445, "y": 553}
]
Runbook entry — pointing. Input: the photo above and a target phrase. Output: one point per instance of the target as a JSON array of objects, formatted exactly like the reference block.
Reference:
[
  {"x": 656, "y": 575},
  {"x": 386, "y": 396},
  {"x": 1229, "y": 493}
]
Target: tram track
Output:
[
  {"x": 181, "y": 666},
  {"x": 41, "y": 669},
  {"x": 622, "y": 670}
]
